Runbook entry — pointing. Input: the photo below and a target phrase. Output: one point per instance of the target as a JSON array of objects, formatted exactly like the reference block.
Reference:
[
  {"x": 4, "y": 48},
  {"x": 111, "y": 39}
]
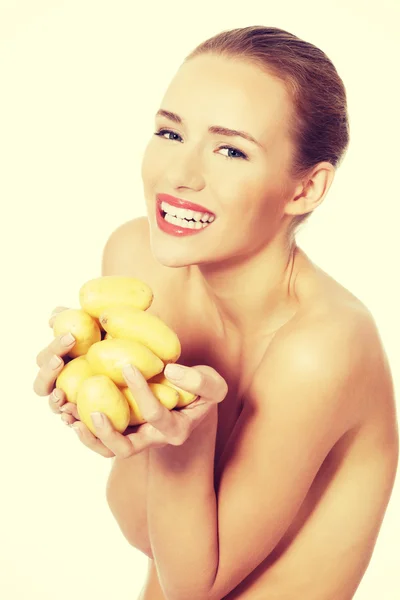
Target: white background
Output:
[{"x": 80, "y": 82}]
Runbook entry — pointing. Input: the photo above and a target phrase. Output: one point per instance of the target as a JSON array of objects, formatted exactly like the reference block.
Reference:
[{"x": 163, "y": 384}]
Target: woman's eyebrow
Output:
[{"x": 217, "y": 129}]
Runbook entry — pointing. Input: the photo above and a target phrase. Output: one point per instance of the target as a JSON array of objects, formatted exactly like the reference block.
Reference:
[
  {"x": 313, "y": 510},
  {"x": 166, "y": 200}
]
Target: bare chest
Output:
[
  {"x": 237, "y": 362},
  {"x": 234, "y": 358},
  {"x": 301, "y": 556}
]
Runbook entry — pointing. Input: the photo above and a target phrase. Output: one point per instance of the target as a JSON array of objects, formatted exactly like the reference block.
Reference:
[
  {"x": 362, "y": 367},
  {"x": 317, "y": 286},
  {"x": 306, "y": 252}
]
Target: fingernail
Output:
[
  {"x": 131, "y": 372},
  {"x": 174, "y": 371},
  {"x": 55, "y": 362},
  {"x": 97, "y": 419},
  {"x": 56, "y": 395},
  {"x": 67, "y": 339},
  {"x": 76, "y": 429}
]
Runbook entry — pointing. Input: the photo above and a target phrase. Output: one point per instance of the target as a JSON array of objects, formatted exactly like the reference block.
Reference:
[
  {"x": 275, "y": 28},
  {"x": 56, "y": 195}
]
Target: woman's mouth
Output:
[{"x": 178, "y": 221}]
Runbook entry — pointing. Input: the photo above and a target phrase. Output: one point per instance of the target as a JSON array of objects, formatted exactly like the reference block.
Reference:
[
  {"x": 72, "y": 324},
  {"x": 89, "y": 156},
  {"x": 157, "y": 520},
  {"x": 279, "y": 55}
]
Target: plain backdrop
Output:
[{"x": 80, "y": 82}]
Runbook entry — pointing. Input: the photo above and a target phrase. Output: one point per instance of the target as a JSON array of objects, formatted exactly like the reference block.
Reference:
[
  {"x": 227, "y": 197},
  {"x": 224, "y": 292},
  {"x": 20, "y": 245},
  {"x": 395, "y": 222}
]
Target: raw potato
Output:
[
  {"x": 166, "y": 395},
  {"x": 129, "y": 323},
  {"x": 96, "y": 295},
  {"x": 109, "y": 356},
  {"x": 100, "y": 394},
  {"x": 72, "y": 376},
  {"x": 185, "y": 397},
  {"x": 83, "y": 327}
]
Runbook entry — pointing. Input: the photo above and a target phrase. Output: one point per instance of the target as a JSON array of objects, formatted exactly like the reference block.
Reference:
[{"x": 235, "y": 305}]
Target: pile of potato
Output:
[{"x": 115, "y": 307}]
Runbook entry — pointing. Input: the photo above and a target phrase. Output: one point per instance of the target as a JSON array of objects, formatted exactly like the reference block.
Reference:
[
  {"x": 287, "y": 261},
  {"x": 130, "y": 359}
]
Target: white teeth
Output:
[
  {"x": 184, "y": 224},
  {"x": 183, "y": 213}
]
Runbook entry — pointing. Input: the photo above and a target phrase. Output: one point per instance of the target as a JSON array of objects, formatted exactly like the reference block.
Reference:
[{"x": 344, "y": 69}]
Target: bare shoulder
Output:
[
  {"x": 339, "y": 343},
  {"x": 127, "y": 248},
  {"x": 127, "y": 253}
]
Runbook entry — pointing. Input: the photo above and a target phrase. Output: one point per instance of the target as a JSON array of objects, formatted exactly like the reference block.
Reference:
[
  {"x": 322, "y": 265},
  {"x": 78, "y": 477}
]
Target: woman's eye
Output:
[
  {"x": 163, "y": 131},
  {"x": 233, "y": 150},
  {"x": 242, "y": 156}
]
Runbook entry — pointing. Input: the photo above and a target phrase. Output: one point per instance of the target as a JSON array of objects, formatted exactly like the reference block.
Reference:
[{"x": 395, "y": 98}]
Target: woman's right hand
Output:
[{"x": 44, "y": 383}]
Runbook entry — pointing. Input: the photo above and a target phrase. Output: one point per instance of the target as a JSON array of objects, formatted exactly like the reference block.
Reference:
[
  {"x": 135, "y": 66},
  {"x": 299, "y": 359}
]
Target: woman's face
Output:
[{"x": 246, "y": 186}]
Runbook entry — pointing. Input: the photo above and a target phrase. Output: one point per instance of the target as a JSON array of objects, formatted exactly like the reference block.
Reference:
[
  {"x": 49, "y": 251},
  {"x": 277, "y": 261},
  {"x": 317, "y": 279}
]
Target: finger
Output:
[
  {"x": 68, "y": 419},
  {"x": 60, "y": 346},
  {"x": 56, "y": 400},
  {"x": 55, "y": 312},
  {"x": 201, "y": 380},
  {"x": 124, "y": 446},
  {"x": 153, "y": 412},
  {"x": 90, "y": 441},
  {"x": 70, "y": 408},
  {"x": 47, "y": 375},
  {"x": 145, "y": 437}
]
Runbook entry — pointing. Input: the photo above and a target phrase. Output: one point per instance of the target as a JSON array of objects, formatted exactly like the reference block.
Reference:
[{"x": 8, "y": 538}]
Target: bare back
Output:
[{"x": 326, "y": 550}]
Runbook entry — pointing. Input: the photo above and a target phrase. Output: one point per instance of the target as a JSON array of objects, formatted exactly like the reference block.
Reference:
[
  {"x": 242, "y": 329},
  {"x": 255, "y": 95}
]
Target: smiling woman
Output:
[
  {"x": 275, "y": 481},
  {"x": 318, "y": 120}
]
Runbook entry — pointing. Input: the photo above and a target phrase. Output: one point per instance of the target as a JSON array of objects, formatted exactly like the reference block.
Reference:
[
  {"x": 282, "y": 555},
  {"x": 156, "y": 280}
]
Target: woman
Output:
[{"x": 275, "y": 481}]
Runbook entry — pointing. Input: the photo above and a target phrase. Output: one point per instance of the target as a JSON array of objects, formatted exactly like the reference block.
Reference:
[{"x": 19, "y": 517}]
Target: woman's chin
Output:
[{"x": 170, "y": 258}]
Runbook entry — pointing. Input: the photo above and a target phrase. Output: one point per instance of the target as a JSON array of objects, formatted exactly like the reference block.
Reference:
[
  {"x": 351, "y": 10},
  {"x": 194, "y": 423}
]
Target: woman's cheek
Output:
[{"x": 149, "y": 167}]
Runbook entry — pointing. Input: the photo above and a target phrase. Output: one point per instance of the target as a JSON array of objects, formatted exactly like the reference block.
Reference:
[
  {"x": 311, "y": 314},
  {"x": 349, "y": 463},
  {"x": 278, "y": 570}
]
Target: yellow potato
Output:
[
  {"x": 71, "y": 377},
  {"x": 166, "y": 395},
  {"x": 83, "y": 327},
  {"x": 100, "y": 394},
  {"x": 129, "y": 323},
  {"x": 109, "y": 356},
  {"x": 185, "y": 397},
  {"x": 96, "y": 295}
]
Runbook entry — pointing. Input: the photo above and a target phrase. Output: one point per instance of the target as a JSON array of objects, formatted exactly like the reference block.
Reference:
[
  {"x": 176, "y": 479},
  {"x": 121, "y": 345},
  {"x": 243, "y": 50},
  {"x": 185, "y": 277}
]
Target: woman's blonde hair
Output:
[{"x": 319, "y": 126}]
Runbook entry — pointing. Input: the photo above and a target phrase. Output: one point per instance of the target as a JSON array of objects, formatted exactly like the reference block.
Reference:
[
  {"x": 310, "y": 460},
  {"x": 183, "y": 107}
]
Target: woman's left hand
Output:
[{"x": 163, "y": 426}]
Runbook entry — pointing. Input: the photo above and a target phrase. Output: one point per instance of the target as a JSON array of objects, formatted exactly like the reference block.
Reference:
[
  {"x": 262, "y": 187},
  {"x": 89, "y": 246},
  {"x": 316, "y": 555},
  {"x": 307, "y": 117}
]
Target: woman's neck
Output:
[{"x": 247, "y": 296}]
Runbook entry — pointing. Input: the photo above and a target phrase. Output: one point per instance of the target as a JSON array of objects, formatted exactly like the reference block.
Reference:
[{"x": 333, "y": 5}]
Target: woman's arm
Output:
[
  {"x": 182, "y": 513},
  {"x": 126, "y": 495},
  {"x": 305, "y": 398}
]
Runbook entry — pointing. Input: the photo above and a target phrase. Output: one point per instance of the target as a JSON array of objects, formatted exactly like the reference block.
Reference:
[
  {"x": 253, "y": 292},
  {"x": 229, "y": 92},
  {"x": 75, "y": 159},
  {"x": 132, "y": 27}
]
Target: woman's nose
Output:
[{"x": 185, "y": 170}]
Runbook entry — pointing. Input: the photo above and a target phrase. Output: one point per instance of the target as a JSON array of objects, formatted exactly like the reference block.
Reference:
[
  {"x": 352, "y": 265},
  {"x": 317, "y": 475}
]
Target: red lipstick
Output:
[
  {"x": 179, "y": 203},
  {"x": 178, "y": 230}
]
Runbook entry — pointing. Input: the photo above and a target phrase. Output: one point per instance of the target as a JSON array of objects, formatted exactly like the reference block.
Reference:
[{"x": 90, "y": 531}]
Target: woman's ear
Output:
[{"x": 312, "y": 193}]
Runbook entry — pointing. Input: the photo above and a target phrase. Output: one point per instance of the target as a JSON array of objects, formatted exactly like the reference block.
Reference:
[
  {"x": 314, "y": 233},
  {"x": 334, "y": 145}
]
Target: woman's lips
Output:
[
  {"x": 172, "y": 229},
  {"x": 180, "y": 203}
]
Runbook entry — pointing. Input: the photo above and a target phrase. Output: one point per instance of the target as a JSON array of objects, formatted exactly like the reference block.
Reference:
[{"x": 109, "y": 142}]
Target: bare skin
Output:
[
  {"x": 231, "y": 292},
  {"x": 362, "y": 465},
  {"x": 245, "y": 285}
]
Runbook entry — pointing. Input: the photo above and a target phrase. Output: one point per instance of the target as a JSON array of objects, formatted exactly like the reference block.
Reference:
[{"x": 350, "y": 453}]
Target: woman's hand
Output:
[
  {"x": 49, "y": 371},
  {"x": 162, "y": 426}
]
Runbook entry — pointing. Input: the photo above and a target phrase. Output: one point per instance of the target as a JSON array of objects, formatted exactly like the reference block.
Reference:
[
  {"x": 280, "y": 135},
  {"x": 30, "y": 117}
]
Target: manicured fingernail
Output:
[
  {"x": 174, "y": 371},
  {"x": 55, "y": 395},
  {"x": 67, "y": 339},
  {"x": 98, "y": 419},
  {"x": 76, "y": 428},
  {"x": 131, "y": 372},
  {"x": 55, "y": 362}
]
